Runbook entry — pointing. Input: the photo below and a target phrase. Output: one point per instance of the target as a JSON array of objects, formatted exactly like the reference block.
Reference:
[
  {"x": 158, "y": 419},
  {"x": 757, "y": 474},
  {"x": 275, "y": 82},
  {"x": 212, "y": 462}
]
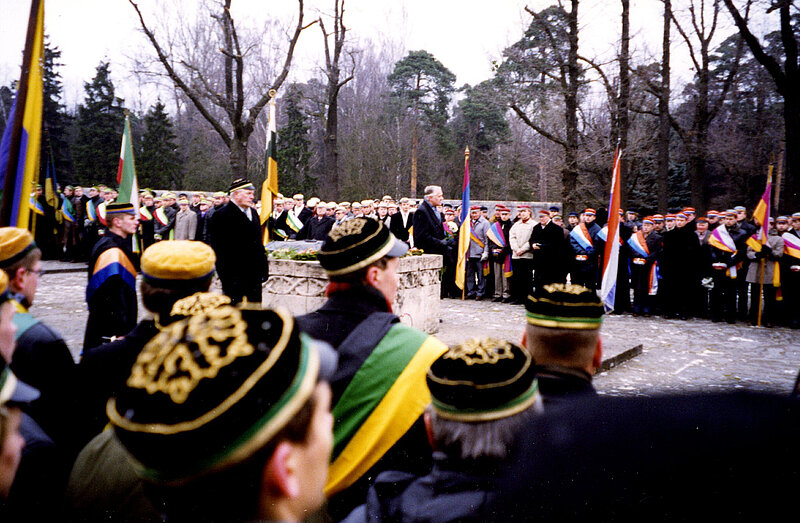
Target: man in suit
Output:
[
  {"x": 546, "y": 241},
  {"x": 400, "y": 222},
  {"x": 429, "y": 236},
  {"x": 242, "y": 262}
]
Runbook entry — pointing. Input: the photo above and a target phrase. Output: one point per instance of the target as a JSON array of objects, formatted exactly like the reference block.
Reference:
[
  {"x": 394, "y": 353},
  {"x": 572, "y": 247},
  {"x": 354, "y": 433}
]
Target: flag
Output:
[
  {"x": 20, "y": 146},
  {"x": 761, "y": 214},
  {"x": 464, "y": 233},
  {"x": 611, "y": 257},
  {"x": 50, "y": 194},
  {"x": 269, "y": 189},
  {"x": 126, "y": 174}
]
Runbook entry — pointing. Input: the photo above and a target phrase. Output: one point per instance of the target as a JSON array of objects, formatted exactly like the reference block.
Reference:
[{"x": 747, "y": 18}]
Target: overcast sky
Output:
[{"x": 465, "y": 35}]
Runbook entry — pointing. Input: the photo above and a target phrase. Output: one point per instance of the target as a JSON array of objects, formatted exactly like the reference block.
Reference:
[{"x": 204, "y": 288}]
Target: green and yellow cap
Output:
[{"x": 564, "y": 306}]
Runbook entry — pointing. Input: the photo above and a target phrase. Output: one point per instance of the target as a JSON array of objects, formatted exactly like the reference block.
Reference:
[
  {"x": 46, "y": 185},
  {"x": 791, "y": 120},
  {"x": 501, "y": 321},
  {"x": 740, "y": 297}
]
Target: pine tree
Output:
[
  {"x": 100, "y": 119},
  {"x": 158, "y": 164},
  {"x": 55, "y": 119},
  {"x": 293, "y": 152}
]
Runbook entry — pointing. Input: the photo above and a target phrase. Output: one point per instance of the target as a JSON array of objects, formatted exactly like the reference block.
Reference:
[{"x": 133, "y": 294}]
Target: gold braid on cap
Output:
[{"x": 487, "y": 350}]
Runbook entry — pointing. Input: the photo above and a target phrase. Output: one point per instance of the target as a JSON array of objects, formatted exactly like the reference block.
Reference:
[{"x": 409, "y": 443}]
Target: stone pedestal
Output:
[{"x": 299, "y": 286}]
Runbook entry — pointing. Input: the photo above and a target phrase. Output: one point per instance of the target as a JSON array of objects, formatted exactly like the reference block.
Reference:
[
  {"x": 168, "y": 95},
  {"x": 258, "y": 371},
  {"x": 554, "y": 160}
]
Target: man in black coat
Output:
[
  {"x": 428, "y": 230},
  {"x": 401, "y": 221},
  {"x": 242, "y": 262},
  {"x": 547, "y": 240},
  {"x": 318, "y": 226}
]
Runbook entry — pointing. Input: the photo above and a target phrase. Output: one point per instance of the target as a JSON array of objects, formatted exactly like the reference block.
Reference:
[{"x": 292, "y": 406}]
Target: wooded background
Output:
[{"x": 379, "y": 119}]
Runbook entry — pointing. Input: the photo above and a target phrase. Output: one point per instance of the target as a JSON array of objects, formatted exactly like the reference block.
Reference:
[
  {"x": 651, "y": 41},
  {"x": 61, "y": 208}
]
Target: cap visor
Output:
[
  {"x": 23, "y": 394},
  {"x": 398, "y": 249},
  {"x": 328, "y": 357}
]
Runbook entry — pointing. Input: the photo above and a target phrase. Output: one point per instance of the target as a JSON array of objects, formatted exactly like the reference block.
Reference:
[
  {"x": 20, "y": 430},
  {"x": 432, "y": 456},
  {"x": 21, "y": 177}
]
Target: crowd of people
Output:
[{"x": 212, "y": 408}]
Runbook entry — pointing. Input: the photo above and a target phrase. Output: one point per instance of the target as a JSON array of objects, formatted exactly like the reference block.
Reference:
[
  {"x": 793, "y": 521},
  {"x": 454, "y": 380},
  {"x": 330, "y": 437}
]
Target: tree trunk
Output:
[
  {"x": 238, "y": 157},
  {"x": 570, "y": 171},
  {"x": 624, "y": 99},
  {"x": 330, "y": 152},
  {"x": 662, "y": 171}
]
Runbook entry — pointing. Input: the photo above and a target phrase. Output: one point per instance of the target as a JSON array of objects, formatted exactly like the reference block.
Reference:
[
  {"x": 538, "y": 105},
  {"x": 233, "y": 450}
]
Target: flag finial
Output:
[{"x": 466, "y": 151}]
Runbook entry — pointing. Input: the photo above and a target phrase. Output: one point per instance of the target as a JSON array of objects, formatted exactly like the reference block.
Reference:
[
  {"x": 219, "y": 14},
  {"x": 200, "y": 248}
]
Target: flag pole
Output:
[
  {"x": 464, "y": 288},
  {"x": 765, "y": 233}
]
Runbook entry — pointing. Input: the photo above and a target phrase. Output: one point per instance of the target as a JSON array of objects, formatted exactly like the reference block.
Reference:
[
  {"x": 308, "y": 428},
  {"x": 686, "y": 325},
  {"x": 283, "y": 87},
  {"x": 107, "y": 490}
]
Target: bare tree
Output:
[
  {"x": 787, "y": 82},
  {"x": 663, "y": 112},
  {"x": 222, "y": 104},
  {"x": 695, "y": 137},
  {"x": 330, "y": 149}
]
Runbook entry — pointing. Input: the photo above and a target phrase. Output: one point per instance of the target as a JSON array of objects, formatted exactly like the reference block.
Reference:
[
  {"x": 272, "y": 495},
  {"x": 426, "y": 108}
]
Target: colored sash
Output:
[
  {"x": 37, "y": 207},
  {"x": 603, "y": 234},
  {"x": 161, "y": 216},
  {"x": 112, "y": 262},
  {"x": 495, "y": 233},
  {"x": 101, "y": 213},
  {"x": 791, "y": 245},
  {"x": 22, "y": 319},
  {"x": 638, "y": 243},
  {"x": 721, "y": 239},
  {"x": 382, "y": 401},
  {"x": 67, "y": 211},
  {"x": 91, "y": 211},
  {"x": 294, "y": 222},
  {"x": 582, "y": 236},
  {"x": 474, "y": 238},
  {"x": 144, "y": 214}
]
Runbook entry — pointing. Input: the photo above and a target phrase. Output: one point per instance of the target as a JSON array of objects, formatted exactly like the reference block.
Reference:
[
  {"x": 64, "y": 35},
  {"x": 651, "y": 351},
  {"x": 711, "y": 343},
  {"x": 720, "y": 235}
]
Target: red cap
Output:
[
  {"x": 545, "y": 212},
  {"x": 475, "y": 208},
  {"x": 524, "y": 207},
  {"x": 590, "y": 211}
]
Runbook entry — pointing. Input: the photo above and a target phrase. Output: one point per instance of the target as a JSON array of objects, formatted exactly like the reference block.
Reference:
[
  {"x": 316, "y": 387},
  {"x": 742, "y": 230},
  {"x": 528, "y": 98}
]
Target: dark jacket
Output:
[
  {"x": 242, "y": 263},
  {"x": 398, "y": 228},
  {"x": 316, "y": 228},
  {"x": 559, "y": 385},
  {"x": 453, "y": 491},
  {"x": 429, "y": 231},
  {"x": 547, "y": 259},
  {"x": 111, "y": 297}
]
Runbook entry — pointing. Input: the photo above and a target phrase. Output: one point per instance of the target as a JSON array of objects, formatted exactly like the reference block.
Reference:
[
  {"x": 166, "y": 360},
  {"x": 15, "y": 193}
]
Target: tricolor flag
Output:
[
  {"x": 269, "y": 189},
  {"x": 126, "y": 174},
  {"x": 465, "y": 231},
  {"x": 20, "y": 146},
  {"x": 608, "y": 285},
  {"x": 761, "y": 215}
]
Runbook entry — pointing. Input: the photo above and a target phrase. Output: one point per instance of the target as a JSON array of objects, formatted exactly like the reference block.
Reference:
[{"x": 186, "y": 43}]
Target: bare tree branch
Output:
[{"x": 553, "y": 138}]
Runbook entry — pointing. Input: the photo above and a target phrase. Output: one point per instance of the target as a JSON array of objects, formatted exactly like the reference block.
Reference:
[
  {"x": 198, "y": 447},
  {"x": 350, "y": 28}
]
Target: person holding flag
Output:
[
  {"x": 126, "y": 177},
  {"x": 765, "y": 245},
  {"x": 728, "y": 249}
]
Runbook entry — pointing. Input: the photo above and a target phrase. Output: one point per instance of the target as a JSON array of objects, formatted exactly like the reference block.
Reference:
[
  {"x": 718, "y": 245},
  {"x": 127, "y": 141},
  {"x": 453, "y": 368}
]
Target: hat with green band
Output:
[
  {"x": 482, "y": 380},
  {"x": 357, "y": 243},
  {"x": 210, "y": 390},
  {"x": 564, "y": 306}
]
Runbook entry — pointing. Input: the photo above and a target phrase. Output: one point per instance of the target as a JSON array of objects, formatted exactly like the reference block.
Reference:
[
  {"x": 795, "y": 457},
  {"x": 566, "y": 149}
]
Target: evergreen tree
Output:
[
  {"x": 293, "y": 152},
  {"x": 100, "y": 120},
  {"x": 6, "y": 101},
  {"x": 54, "y": 116},
  {"x": 158, "y": 164}
]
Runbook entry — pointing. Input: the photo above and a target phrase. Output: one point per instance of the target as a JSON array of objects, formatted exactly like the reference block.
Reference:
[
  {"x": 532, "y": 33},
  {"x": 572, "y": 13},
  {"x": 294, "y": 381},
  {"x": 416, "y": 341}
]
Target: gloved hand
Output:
[
  {"x": 765, "y": 251},
  {"x": 484, "y": 256}
]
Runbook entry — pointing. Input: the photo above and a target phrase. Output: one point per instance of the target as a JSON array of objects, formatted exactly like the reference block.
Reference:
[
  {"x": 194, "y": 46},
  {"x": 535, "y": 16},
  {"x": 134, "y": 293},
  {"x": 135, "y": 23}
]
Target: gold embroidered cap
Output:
[
  {"x": 564, "y": 306},
  {"x": 174, "y": 264},
  {"x": 210, "y": 390},
  {"x": 15, "y": 244},
  {"x": 482, "y": 380},
  {"x": 355, "y": 244}
]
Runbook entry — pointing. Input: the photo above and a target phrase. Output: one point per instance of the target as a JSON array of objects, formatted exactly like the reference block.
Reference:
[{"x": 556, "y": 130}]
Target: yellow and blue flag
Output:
[
  {"x": 21, "y": 143},
  {"x": 466, "y": 228}
]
